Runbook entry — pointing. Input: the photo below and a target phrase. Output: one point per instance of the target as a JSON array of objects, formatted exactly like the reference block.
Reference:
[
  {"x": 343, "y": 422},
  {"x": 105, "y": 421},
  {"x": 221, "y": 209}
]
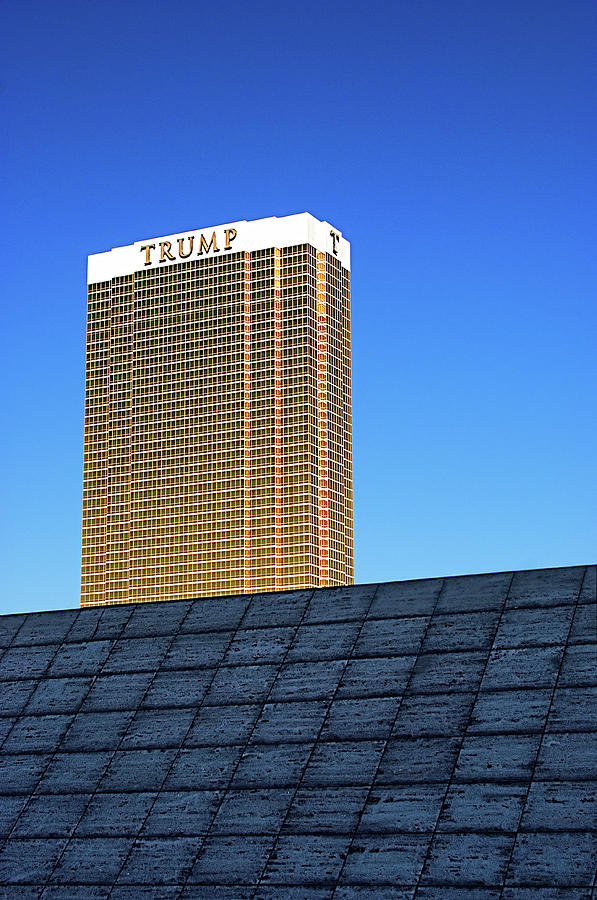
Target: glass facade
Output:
[{"x": 218, "y": 420}]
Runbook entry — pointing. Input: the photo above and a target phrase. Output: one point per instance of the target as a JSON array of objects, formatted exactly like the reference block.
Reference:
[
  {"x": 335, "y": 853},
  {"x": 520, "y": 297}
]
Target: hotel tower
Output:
[{"x": 218, "y": 417}]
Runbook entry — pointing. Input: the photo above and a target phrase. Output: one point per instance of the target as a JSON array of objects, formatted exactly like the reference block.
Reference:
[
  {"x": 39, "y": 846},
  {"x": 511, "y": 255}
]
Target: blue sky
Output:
[{"x": 453, "y": 143}]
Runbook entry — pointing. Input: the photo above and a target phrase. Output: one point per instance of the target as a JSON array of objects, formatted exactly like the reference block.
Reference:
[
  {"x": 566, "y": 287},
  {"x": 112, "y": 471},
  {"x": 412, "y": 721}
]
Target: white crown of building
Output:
[{"x": 220, "y": 240}]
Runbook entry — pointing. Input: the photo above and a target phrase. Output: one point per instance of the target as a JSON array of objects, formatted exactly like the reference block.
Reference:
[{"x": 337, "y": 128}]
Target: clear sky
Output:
[{"x": 453, "y": 143}]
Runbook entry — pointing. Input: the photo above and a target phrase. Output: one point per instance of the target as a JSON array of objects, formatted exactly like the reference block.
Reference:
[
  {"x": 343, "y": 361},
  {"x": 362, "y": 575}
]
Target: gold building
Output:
[{"x": 218, "y": 415}]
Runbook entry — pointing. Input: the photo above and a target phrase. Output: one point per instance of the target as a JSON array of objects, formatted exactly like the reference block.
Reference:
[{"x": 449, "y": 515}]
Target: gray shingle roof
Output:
[{"x": 430, "y": 739}]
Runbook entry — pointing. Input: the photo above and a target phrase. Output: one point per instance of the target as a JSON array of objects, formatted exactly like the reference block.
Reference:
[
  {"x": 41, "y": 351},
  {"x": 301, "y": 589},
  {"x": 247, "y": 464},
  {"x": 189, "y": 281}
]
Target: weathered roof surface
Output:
[{"x": 429, "y": 739}]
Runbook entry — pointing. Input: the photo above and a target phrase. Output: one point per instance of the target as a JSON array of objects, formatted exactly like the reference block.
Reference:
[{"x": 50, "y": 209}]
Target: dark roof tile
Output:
[
  {"x": 29, "y": 860},
  {"x": 241, "y": 684},
  {"x": 197, "y": 651},
  {"x": 579, "y": 665},
  {"x": 142, "y": 654},
  {"x": 19, "y": 774},
  {"x": 340, "y": 604},
  {"x": 144, "y": 892},
  {"x": 470, "y": 593},
  {"x": 573, "y": 709},
  {"x": 54, "y": 695},
  {"x": 560, "y": 806},
  {"x": 501, "y": 757},
  {"x": 92, "y": 860},
  {"x": 205, "y": 768},
  {"x": 588, "y": 593},
  {"x": 36, "y": 734},
  {"x": 306, "y": 859},
  {"x": 405, "y": 598},
  {"x": 259, "y": 645},
  {"x": 182, "y": 813},
  {"x": 337, "y": 763},
  {"x": 456, "y": 671},
  {"x": 385, "y": 859},
  {"x": 97, "y": 730},
  {"x": 73, "y": 773},
  {"x": 467, "y": 859},
  {"x": 158, "y": 728},
  {"x": 365, "y": 717},
  {"x": 26, "y": 662},
  {"x": 9, "y": 626},
  {"x": 462, "y": 631},
  {"x": 482, "y": 806},
  {"x": 184, "y": 688},
  {"x": 223, "y": 725},
  {"x": 234, "y": 859},
  {"x": 535, "y": 667},
  {"x": 215, "y": 614},
  {"x": 273, "y": 765},
  {"x": 51, "y": 815},
  {"x": 156, "y": 619},
  {"x": 161, "y": 860},
  {"x": 389, "y": 637},
  {"x": 45, "y": 627},
  {"x": 566, "y": 859},
  {"x": 567, "y": 757},
  {"x": 317, "y": 642},
  {"x": 146, "y": 769},
  {"x": 535, "y": 626},
  {"x": 117, "y": 692},
  {"x": 236, "y": 815},
  {"x": 307, "y": 681},
  {"x": 86, "y": 658},
  {"x": 10, "y": 809},
  {"x": 433, "y": 714},
  {"x": 6, "y": 726},
  {"x": 115, "y": 815},
  {"x": 14, "y": 696},
  {"x": 518, "y": 711},
  {"x": 584, "y": 626},
  {"x": 294, "y": 721},
  {"x": 405, "y": 808},
  {"x": 112, "y": 621},
  {"x": 377, "y": 676},
  {"x": 546, "y": 587},
  {"x": 328, "y": 809},
  {"x": 279, "y": 609},
  {"x": 418, "y": 761},
  {"x": 372, "y": 892}
]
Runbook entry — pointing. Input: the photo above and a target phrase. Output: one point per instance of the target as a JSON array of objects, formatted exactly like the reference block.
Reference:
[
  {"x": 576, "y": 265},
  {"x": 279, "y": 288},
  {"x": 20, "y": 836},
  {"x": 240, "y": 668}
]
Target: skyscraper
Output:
[{"x": 218, "y": 415}]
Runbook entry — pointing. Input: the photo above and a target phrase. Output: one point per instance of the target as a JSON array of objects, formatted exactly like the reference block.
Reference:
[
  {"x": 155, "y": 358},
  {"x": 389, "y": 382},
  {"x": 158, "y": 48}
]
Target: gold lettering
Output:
[
  {"x": 148, "y": 248},
  {"x": 203, "y": 245},
  {"x": 165, "y": 248},
  {"x": 180, "y": 245},
  {"x": 230, "y": 235}
]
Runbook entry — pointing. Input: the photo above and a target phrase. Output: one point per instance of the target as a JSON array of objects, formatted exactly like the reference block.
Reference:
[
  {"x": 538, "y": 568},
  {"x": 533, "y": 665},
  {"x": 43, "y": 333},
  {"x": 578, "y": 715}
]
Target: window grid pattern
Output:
[{"x": 204, "y": 432}]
